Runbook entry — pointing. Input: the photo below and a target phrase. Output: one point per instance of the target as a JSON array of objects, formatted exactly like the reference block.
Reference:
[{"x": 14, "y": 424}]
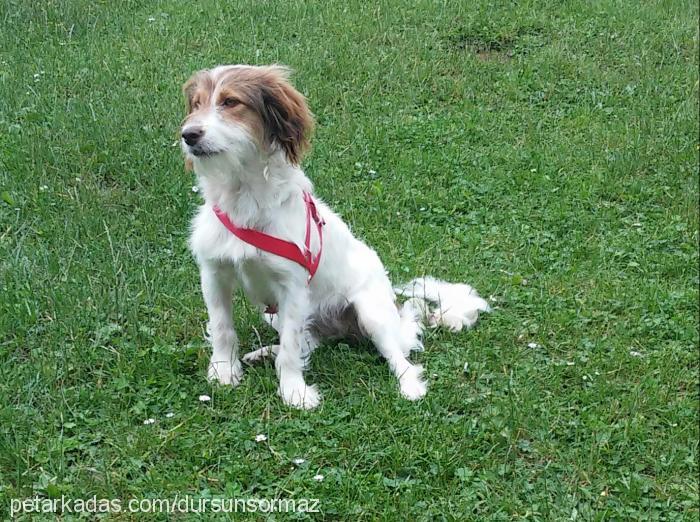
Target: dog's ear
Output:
[
  {"x": 200, "y": 81},
  {"x": 188, "y": 90},
  {"x": 287, "y": 118}
]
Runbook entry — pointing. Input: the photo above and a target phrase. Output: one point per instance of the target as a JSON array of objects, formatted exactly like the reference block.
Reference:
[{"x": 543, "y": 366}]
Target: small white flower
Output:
[
  {"x": 318, "y": 477},
  {"x": 149, "y": 421},
  {"x": 636, "y": 354},
  {"x": 260, "y": 437},
  {"x": 533, "y": 345},
  {"x": 298, "y": 461},
  {"x": 78, "y": 180},
  {"x": 169, "y": 415},
  {"x": 569, "y": 363},
  {"x": 151, "y": 18},
  {"x": 43, "y": 188},
  {"x": 195, "y": 189},
  {"x": 204, "y": 398},
  {"x": 372, "y": 172}
]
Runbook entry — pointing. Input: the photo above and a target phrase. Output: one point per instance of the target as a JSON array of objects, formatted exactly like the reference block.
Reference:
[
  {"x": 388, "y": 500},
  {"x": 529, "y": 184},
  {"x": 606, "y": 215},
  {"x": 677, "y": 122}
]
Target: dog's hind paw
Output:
[
  {"x": 259, "y": 354},
  {"x": 413, "y": 387}
]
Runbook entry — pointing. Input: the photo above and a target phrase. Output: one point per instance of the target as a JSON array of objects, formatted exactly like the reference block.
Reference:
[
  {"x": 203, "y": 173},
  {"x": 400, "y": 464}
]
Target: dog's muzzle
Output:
[{"x": 192, "y": 135}]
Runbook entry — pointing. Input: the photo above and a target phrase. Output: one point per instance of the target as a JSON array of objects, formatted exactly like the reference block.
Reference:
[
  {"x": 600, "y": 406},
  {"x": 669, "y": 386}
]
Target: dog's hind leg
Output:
[
  {"x": 380, "y": 320},
  {"x": 261, "y": 353}
]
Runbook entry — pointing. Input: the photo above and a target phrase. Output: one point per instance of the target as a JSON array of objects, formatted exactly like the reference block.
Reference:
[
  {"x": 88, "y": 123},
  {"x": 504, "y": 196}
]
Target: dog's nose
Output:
[{"x": 192, "y": 135}]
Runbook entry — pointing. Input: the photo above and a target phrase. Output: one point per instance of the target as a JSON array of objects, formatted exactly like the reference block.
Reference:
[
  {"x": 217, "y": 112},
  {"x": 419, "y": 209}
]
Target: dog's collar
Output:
[{"x": 280, "y": 247}]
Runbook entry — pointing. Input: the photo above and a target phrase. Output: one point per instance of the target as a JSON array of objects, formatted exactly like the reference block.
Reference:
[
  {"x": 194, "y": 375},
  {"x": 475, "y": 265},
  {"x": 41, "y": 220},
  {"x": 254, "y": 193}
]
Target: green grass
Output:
[{"x": 546, "y": 153}]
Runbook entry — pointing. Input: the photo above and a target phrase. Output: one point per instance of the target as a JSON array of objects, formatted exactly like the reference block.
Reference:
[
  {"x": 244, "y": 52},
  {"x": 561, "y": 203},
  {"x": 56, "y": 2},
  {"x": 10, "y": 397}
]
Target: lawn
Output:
[{"x": 546, "y": 153}]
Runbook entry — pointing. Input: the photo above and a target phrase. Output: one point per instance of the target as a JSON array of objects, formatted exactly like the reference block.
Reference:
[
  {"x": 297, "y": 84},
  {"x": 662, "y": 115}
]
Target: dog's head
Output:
[{"x": 241, "y": 109}]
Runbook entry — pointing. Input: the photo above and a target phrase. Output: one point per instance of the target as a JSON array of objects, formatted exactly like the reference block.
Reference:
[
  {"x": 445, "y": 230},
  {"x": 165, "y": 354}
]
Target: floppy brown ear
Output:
[
  {"x": 287, "y": 118},
  {"x": 188, "y": 89}
]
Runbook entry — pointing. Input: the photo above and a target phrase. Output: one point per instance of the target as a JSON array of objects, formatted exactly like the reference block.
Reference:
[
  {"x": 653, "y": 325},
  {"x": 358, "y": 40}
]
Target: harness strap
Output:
[{"x": 280, "y": 247}]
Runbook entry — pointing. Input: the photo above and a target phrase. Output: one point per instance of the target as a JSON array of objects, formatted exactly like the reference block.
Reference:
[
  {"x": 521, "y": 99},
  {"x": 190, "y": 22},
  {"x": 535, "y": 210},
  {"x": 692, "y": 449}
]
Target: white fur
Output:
[
  {"x": 259, "y": 189},
  {"x": 457, "y": 305}
]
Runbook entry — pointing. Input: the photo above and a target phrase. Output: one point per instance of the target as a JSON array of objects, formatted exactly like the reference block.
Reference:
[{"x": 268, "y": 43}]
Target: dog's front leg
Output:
[
  {"x": 218, "y": 281},
  {"x": 294, "y": 351}
]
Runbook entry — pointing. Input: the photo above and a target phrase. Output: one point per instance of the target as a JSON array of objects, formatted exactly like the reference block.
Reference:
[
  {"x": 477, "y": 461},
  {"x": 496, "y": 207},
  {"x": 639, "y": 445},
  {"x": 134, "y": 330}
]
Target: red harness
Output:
[{"x": 280, "y": 247}]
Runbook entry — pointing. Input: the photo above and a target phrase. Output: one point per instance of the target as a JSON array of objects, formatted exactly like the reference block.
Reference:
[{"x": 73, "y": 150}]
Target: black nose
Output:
[{"x": 192, "y": 135}]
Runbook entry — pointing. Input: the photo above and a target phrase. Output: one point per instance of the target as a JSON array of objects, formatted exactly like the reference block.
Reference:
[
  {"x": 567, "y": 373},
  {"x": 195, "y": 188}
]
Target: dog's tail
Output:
[{"x": 439, "y": 303}]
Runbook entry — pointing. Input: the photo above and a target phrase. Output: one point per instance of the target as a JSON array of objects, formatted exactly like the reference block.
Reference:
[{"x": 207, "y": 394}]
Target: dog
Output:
[{"x": 262, "y": 229}]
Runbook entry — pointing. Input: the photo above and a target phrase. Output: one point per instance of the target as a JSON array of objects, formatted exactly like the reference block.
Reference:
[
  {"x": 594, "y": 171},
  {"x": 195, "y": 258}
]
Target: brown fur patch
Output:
[
  {"x": 198, "y": 90},
  {"x": 241, "y": 112}
]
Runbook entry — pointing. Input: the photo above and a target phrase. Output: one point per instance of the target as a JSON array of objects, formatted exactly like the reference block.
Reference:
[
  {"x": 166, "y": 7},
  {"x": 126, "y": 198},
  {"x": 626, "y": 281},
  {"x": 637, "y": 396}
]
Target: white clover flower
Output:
[
  {"x": 149, "y": 421},
  {"x": 204, "y": 398},
  {"x": 151, "y": 18},
  {"x": 169, "y": 415},
  {"x": 298, "y": 461},
  {"x": 43, "y": 188},
  {"x": 533, "y": 345},
  {"x": 260, "y": 437},
  {"x": 318, "y": 478},
  {"x": 195, "y": 189}
]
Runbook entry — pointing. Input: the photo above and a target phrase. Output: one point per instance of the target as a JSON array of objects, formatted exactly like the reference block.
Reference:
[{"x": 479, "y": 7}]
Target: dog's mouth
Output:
[{"x": 202, "y": 151}]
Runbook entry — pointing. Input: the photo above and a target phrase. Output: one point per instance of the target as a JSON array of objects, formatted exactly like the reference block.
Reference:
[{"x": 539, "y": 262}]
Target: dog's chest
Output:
[
  {"x": 259, "y": 282},
  {"x": 211, "y": 241},
  {"x": 258, "y": 273}
]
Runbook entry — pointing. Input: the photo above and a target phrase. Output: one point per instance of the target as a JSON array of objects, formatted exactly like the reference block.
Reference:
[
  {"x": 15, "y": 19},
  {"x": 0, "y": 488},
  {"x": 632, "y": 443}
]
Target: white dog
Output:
[{"x": 261, "y": 229}]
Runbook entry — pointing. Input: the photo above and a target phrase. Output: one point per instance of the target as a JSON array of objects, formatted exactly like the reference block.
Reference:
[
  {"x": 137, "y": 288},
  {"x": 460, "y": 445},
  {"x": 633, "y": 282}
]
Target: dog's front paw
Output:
[
  {"x": 413, "y": 387},
  {"x": 225, "y": 372},
  {"x": 300, "y": 396}
]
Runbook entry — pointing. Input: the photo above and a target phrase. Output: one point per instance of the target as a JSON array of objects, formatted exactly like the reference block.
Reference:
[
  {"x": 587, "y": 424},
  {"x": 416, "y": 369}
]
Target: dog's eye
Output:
[{"x": 231, "y": 102}]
